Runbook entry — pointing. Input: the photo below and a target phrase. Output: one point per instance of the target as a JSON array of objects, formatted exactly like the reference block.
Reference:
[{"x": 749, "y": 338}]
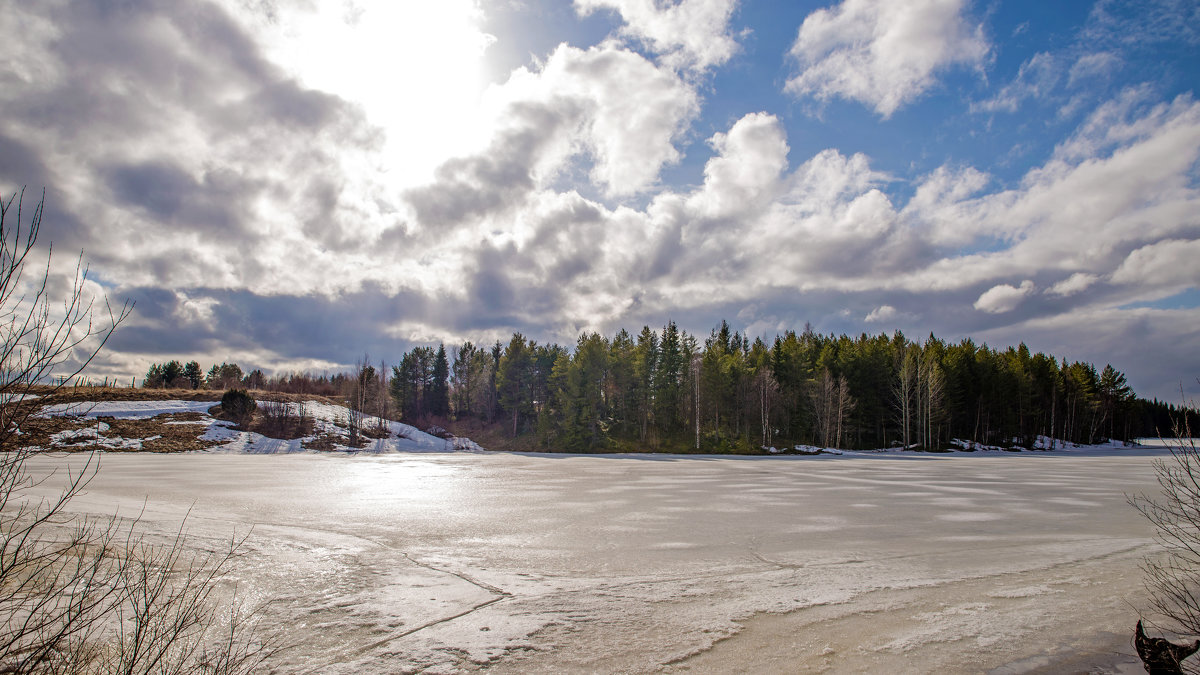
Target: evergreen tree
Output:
[
  {"x": 154, "y": 377},
  {"x": 1114, "y": 394},
  {"x": 645, "y": 369},
  {"x": 439, "y": 390},
  {"x": 621, "y": 386},
  {"x": 669, "y": 381},
  {"x": 172, "y": 373},
  {"x": 513, "y": 380},
  {"x": 194, "y": 375},
  {"x": 590, "y": 373}
]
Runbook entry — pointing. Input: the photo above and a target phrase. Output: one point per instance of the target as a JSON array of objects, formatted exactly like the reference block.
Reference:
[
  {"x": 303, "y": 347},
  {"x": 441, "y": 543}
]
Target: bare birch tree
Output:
[
  {"x": 843, "y": 407},
  {"x": 903, "y": 391}
]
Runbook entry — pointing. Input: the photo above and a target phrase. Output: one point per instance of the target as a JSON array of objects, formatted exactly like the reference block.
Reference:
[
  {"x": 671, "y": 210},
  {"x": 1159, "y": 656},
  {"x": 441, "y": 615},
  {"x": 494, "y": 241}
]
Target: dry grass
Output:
[
  {"x": 77, "y": 394},
  {"x": 179, "y": 432},
  {"x": 170, "y": 432},
  {"x": 494, "y": 436},
  {"x": 326, "y": 443}
]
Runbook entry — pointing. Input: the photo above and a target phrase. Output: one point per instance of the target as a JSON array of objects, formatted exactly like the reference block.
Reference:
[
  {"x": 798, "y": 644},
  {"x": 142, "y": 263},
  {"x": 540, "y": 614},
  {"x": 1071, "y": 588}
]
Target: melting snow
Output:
[{"x": 329, "y": 421}]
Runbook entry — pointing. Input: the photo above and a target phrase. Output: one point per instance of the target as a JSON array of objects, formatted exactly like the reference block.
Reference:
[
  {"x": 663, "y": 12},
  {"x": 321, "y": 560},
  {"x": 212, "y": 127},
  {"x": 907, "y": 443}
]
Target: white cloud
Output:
[
  {"x": 883, "y": 53},
  {"x": 689, "y": 34},
  {"x": 1143, "y": 23},
  {"x": 1124, "y": 179},
  {"x": 1170, "y": 266},
  {"x": 745, "y": 172},
  {"x": 1003, "y": 297},
  {"x": 1076, "y": 283},
  {"x": 882, "y": 314},
  {"x": 1091, "y": 66},
  {"x": 1036, "y": 78},
  {"x": 942, "y": 205},
  {"x": 629, "y": 138},
  {"x": 193, "y": 310}
]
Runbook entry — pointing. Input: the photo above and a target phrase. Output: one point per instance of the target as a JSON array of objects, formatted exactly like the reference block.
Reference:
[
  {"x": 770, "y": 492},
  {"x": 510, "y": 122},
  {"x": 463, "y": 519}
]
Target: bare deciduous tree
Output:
[
  {"x": 81, "y": 594},
  {"x": 1173, "y": 578}
]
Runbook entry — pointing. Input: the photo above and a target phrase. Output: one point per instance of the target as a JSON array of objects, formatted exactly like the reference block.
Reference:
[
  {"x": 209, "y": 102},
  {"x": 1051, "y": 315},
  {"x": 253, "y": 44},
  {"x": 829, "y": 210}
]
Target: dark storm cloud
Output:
[
  {"x": 171, "y": 196},
  {"x": 290, "y": 327},
  {"x": 506, "y": 291},
  {"x": 20, "y": 164},
  {"x": 490, "y": 287}
]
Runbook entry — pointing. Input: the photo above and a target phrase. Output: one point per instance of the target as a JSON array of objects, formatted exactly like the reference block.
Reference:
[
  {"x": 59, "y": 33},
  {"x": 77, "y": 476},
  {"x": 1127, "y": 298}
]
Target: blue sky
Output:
[{"x": 290, "y": 185}]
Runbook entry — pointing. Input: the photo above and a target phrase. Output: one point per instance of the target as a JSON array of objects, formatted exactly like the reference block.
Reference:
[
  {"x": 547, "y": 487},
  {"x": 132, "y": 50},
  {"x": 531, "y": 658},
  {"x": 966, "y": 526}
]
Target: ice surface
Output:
[{"x": 650, "y": 563}]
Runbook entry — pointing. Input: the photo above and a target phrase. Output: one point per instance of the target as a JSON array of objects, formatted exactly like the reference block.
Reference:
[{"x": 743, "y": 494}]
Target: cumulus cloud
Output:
[
  {"x": 166, "y": 128},
  {"x": 744, "y": 175},
  {"x": 1169, "y": 265},
  {"x": 1003, "y": 297},
  {"x": 1122, "y": 180},
  {"x": 575, "y": 103},
  {"x": 1076, "y": 283},
  {"x": 689, "y": 34},
  {"x": 883, "y": 53}
]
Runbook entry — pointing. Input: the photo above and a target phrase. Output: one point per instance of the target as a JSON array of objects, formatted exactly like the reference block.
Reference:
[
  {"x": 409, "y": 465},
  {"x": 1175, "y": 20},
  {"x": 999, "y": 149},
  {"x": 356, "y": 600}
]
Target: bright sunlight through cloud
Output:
[{"x": 417, "y": 69}]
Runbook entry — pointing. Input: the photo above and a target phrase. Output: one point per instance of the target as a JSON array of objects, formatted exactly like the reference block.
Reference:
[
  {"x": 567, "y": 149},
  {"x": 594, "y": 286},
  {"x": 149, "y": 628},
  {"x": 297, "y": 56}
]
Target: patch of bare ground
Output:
[
  {"x": 169, "y": 432},
  {"x": 280, "y": 415},
  {"x": 326, "y": 443}
]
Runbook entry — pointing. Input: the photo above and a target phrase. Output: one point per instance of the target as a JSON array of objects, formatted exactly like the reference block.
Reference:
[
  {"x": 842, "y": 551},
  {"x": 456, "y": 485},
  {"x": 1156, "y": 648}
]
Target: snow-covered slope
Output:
[{"x": 330, "y": 423}]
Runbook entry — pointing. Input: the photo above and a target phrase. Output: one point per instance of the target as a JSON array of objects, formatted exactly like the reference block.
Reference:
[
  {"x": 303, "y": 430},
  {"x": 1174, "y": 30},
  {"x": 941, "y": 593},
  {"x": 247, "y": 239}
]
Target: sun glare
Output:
[{"x": 417, "y": 68}]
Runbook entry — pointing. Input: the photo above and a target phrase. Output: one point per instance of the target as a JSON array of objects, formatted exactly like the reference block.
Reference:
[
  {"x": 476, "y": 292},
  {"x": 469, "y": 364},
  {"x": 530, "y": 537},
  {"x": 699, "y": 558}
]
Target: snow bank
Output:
[
  {"x": 331, "y": 423},
  {"x": 130, "y": 410}
]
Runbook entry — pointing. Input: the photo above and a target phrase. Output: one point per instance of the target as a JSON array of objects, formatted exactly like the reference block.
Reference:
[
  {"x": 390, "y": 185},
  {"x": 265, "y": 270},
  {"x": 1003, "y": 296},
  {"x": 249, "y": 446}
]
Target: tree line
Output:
[{"x": 670, "y": 390}]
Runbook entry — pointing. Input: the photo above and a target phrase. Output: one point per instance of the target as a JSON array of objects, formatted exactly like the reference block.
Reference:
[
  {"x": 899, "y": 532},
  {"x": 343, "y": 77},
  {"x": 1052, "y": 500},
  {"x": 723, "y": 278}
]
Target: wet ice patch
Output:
[
  {"x": 948, "y": 625},
  {"x": 968, "y": 516},
  {"x": 1022, "y": 592}
]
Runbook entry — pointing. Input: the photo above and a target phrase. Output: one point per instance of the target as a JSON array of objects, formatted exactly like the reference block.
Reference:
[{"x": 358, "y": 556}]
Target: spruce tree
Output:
[
  {"x": 669, "y": 380},
  {"x": 439, "y": 403},
  {"x": 513, "y": 379}
]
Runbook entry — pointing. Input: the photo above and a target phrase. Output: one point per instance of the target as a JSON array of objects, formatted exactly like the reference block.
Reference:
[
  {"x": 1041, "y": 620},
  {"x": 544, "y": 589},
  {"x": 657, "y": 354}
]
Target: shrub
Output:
[{"x": 238, "y": 405}]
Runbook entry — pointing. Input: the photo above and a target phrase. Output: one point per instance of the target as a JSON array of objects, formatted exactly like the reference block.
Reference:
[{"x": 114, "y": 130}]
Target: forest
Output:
[{"x": 667, "y": 390}]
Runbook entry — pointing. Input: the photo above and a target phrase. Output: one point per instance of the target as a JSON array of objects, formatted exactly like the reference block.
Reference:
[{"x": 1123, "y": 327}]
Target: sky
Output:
[{"x": 297, "y": 184}]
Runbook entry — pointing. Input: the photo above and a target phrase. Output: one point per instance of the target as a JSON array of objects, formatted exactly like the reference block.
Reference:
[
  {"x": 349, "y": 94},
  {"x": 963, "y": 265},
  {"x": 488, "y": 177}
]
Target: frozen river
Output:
[{"x": 544, "y": 563}]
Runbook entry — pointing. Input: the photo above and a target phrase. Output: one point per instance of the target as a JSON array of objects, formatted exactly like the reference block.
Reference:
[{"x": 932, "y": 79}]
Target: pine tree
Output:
[
  {"x": 1114, "y": 394},
  {"x": 172, "y": 373},
  {"x": 194, "y": 375},
  {"x": 154, "y": 377}
]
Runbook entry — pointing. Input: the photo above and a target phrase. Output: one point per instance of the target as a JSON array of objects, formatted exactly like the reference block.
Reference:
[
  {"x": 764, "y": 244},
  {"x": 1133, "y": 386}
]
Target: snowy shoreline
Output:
[{"x": 330, "y": 421}]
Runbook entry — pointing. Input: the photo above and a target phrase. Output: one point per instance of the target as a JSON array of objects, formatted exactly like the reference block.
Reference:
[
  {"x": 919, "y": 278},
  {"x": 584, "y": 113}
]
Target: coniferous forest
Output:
[{"x": 668, "y": 390}]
